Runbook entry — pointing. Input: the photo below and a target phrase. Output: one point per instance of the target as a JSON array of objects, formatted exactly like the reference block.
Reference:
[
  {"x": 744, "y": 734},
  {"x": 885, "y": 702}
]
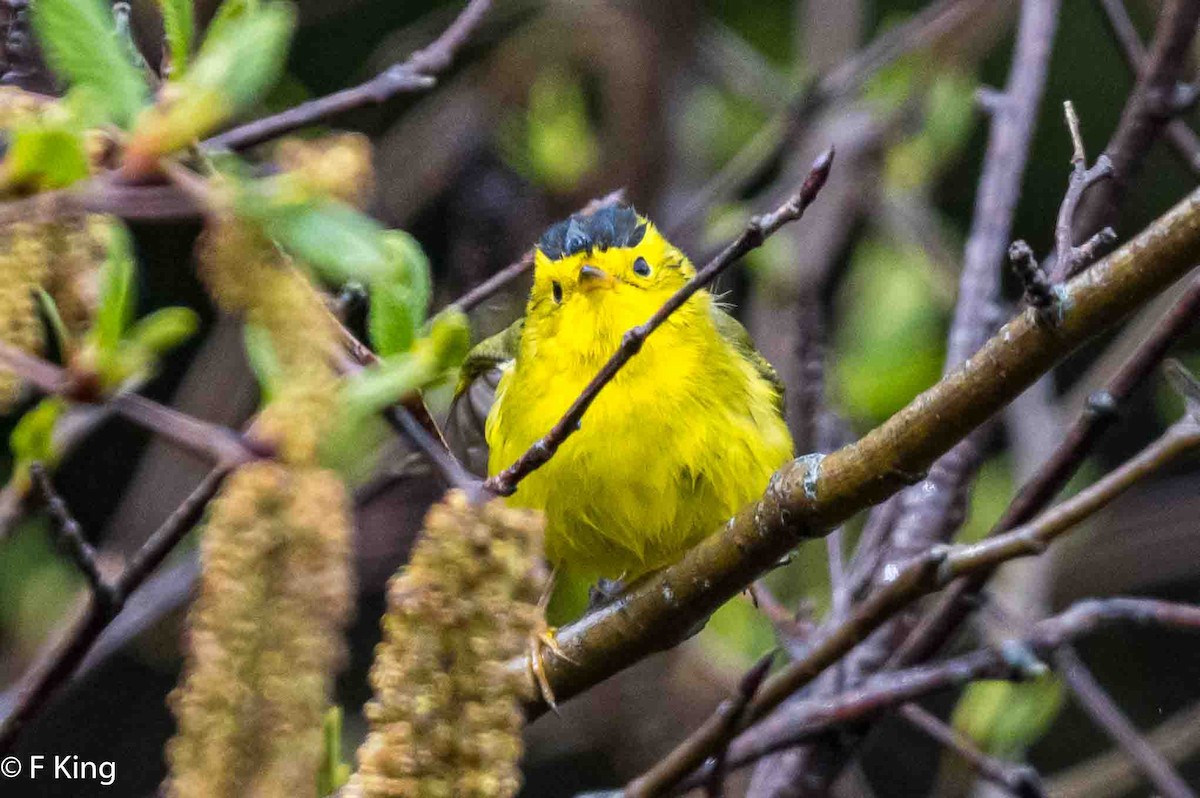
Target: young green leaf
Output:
[
  {"x": 333, "y": 773},
  {"x": 179, "y": 24},
  {"x": 44, "y": 156},
  {"x": 390, "y": 318},
  {"x": 32, "y": 439},
  {"x": 81, "y": 46},
  {"x": 229, "y": 11},
  {"x": 164, "y": 329},
  {"x": 412, "y": 269},
  {"x": 118, "y": 295},
  {"x": 264, "y": 362},
  {"x": 336, "y": 240},
  {"x": 62, "y": 338},
  {"x": 237, "y": 64}
]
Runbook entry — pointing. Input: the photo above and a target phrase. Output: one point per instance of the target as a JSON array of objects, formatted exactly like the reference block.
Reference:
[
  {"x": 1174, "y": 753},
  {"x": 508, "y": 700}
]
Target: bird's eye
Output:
[
  {"x": 641, "y": 268},
  {"x": 556, "y": 292}
]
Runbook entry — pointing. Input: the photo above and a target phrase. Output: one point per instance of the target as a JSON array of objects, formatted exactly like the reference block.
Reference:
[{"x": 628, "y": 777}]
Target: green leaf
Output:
[
  {"x": 389, "y": 381},
  {"x": 244, "y": 55},
  {"x": 237, "y": 64},
  {"x": 264, "y": 362},
  {"x": 412, "y": 269},
  {"x": 390, "y": 318},
  {"x": 32, "y": 439},
  {"x": 165, "y": 329},
  {"x": 450, "y": 337},
  {"x": 336, "y": 240},
  {"x": 118, "y": 295},
  {"x": 80, "y": 42},
  {"x": 45, "y": 156},
  {"x": 179, "y": 24},
  {"x": 333, "y": 773},
  {"x": 50, "y": 309},
  {"x": 228, "y": 12}
]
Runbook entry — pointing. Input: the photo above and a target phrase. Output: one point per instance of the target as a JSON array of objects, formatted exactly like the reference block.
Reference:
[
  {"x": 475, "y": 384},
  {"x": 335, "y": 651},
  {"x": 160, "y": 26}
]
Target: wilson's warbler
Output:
[{"x": 686, "y": 435}]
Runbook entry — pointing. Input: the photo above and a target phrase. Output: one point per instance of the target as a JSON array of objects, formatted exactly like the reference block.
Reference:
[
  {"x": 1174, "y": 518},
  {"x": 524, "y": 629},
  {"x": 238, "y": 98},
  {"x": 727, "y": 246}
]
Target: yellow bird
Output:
[{"x": 687, "y": 434}]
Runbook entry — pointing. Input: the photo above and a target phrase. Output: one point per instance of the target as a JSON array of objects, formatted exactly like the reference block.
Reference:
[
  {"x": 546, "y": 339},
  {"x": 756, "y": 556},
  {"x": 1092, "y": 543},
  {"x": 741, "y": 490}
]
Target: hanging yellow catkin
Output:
[
  {"x": 334, "y": 166},
  {"x": 23, "y": 267},
  {"x": 265, "y": 636},
  {"x": 77, "y": 246},
  {"x": 445, "y": 721},
  {"x": 248, "y": 275}
]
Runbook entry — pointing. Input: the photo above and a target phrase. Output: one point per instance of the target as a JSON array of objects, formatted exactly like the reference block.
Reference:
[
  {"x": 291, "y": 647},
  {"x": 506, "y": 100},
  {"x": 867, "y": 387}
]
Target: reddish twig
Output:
[
  {"x": 1182, "y": 139},
  {"x": 757, "y": 231},
  {"x": 70, "y": 536},
  {"x": 54, "y": 669},
  {"x": 1097, "y": 703},
  {"x": 200, "y": 437},
  {"x": 1019, "y": 780},
  {"x": 415, "y": 74}
]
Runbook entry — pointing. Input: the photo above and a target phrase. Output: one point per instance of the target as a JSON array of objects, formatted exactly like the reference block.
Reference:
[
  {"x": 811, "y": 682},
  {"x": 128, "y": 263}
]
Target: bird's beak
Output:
[{"x": 591, "y": 277}]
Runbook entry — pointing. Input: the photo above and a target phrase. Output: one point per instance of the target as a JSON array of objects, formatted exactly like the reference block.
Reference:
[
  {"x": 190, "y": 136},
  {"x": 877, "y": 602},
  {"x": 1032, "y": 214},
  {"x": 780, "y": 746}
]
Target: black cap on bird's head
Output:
[{"x": 613, "y": 226}]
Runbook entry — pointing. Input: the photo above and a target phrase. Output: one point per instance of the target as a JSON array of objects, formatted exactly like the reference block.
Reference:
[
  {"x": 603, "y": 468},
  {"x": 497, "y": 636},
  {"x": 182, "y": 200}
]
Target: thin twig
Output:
[
  {"x": 1018, "y": 780},
  {"x": 415, "y": 74},
  {"x": 1070, "y": 259},
  {"x": 809, "y": 496},
  {"x": 1144, "y": 116},
  {"x": 1182, "y": 139},
  {"x": 819, "y": 716},
  {"x": 494, "y": 284},
  {"x": 730, "y": 713},
  {"x": 1096, "y": 702},
  {"x": 924, "y": 574},
  {"x": 70, "y": 536},
  {"x": 212, "y": 441},
  {"x": 54, "y": 669},
  {"x": 756, "y": 232}
]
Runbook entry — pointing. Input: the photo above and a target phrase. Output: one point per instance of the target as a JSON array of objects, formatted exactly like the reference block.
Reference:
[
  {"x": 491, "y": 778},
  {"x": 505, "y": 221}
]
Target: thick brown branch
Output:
[
  {"x": 757, "y": 231},
  {"x": 811, "y": 495},
  {"x": 1102, "y": 412},
  {"x": 415, "y": 74}
]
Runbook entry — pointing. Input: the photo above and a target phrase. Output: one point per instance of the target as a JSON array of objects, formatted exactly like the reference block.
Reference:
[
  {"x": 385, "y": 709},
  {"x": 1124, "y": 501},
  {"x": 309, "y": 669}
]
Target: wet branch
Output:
[{"x": 811, "y": 495}]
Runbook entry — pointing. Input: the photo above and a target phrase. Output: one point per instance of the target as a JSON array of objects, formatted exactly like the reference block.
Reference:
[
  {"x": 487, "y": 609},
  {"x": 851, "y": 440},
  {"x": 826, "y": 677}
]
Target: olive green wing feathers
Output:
[
  {"x": 732, "y": 331},
  {"x": 474, "y": 394}
]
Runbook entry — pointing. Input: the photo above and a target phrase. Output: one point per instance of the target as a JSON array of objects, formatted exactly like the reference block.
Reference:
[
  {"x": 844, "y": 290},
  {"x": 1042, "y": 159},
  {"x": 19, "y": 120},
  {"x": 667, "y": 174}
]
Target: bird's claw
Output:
[{"x": 537, "y": 667}]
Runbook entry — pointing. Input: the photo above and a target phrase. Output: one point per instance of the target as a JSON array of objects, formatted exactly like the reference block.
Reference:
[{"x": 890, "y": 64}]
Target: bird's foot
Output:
[
  {"x": 538, "y": 643},
  {"x": 604, "y": 592}
]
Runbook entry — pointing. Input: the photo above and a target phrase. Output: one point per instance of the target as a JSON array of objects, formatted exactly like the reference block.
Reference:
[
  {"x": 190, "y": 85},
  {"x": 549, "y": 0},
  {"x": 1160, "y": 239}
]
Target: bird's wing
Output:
[
  {"x": 474, "y": 394},
  {"x": 732, "y": 331}
]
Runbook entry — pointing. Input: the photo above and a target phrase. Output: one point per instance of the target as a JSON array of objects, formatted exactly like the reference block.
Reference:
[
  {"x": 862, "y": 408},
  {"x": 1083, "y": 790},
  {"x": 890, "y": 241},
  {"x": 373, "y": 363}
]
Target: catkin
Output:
[
  {"x": 445, "y": 720},
  {"x": 248, "y": 275},
  {"x": 265, "y": 636},
  {"x": 77, "y": 247},
  {"x": 334, "y": 166},
  {"x": 23, "y": 268}
]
